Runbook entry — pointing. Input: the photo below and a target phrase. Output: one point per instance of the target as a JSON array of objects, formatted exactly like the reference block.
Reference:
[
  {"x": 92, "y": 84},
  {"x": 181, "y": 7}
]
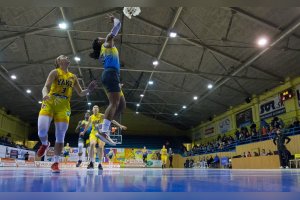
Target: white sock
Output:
[
  {"x": 45, "y": 142},
  {"x": 92, "y": 159},
  {"x": 56, "y": 158},
  {"x": 105, "y": 126},
  {"x": 80, "y": 157}
]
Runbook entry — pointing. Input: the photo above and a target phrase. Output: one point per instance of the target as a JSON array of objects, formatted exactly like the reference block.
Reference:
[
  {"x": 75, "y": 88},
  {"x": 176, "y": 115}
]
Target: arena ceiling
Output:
[{"x": 213, "y": 46}]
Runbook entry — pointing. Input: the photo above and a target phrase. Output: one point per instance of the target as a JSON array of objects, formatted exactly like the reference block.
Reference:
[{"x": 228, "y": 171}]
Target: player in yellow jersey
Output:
[
  {"x": 164, "y": 156},
  {"x": 106, "y": 51},
  {"x": 67, "y": 150},
  {"x": 96, "y": 120},
  {"x": 57, "y": 94}
]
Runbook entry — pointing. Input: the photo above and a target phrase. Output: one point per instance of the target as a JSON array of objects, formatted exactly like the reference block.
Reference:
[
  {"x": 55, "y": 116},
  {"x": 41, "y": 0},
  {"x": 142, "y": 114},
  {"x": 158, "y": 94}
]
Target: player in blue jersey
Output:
[
  {"x": 82, "y": 138},
  {"x": 106, "y": 51}
]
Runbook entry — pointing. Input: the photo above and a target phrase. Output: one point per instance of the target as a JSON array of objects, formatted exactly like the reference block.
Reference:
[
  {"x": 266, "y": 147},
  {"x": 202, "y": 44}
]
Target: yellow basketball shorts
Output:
[
  {"x": 121, "y": 93},
  {"x": 164, "y": 159},
  {"x": 93, "y": 138},
  {"x": 57, "y": 108}
]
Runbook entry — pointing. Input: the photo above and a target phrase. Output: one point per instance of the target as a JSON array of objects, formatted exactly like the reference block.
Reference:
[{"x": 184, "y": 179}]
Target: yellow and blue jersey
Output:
[
  {"x": 67, "y": 150},
  {"x": 110, "y": 57},
  {"x": 84, "y": 123}
]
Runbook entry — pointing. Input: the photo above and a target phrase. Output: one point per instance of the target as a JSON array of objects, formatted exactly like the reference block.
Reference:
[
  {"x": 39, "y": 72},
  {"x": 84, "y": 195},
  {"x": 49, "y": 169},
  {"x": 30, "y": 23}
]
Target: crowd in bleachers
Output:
[
  {"x": 203, "y": 162},
  {"x": 244, "y": 135},
  {"x": 6, "y": 141}
]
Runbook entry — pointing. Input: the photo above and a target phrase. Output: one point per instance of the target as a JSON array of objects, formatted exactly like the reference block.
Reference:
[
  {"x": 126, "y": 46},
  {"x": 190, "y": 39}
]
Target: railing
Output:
[{"x": 252, "y": 139}]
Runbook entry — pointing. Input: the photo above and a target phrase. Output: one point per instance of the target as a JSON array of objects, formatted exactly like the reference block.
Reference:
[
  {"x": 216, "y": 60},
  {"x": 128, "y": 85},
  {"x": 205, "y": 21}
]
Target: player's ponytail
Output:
[
  {"x": 56, "y": 65},
  {"x": 97, "y": 48}
]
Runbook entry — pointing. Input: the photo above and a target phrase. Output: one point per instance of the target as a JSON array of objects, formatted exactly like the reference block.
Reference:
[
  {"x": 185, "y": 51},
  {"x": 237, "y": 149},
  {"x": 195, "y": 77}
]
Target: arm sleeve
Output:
[{"x": 117, "y": 26}]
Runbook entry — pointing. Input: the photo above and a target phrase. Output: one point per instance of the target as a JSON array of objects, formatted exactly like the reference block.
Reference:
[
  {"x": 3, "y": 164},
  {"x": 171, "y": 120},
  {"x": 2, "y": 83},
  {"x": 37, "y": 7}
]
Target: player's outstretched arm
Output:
[
  {"x": 81, "y": 92},
  {"x": 109, "y": 42}
]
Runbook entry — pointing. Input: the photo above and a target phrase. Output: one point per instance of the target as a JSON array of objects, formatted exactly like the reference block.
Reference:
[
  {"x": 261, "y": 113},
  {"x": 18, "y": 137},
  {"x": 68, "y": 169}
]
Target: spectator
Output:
[
  {"x": 270, "y": 132},
  {"x": 254, "y": 133},
  {"x": 187, "y": 163},
  {"x": 203, "y": 163},
  {"x": 248, "y": 135},
  {"x": 277, "y": 123},
  {"x": 269, "y": 153},
  {"x": 255, "y": 154},
  {"x": 210, "y": 161},
  {"x": 264, "y": 127},
  {"x": 263, "y": 152},
  {"x": 295, "y": 127},
  {"x": 26, "y": 156},
  {"x": 216, "y": 161},
  {"x": 296, "y": 123},
  {"x": 191, "y": 164},
  {"x": 237, "y": 134},
  {"x": 253, "y": 127},
  {"x": 249, "y": 154}
]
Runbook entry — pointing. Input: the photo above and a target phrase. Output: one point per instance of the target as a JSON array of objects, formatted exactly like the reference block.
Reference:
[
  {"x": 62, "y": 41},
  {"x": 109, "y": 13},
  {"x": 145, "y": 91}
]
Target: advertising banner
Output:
[
  {"x": 271, "y": 108},
  {"x": 209, "y": 130},
  {"x": 244, "y": 118},
  {"x": 8, "y": 162},
  {"x": 11, "y": 152},
  {"x": 123, "y": 158},
  {"x": 224, "y": 125}
]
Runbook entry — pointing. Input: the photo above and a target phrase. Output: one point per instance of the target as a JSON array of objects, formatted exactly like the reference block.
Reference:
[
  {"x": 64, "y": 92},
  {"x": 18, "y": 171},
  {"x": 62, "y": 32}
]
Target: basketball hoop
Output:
[{"x": 131, "y": 11}]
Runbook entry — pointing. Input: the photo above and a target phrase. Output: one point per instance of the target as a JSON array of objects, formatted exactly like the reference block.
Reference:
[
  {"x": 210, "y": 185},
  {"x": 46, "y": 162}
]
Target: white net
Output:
[{"x": 131, "y": 11}]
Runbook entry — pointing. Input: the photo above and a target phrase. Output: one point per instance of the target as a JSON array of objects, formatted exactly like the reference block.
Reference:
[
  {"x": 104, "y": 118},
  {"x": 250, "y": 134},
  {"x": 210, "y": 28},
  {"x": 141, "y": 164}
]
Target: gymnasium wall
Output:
[
  {"x": 18, "y": 129},
  {"x": 226, "y": 122}
]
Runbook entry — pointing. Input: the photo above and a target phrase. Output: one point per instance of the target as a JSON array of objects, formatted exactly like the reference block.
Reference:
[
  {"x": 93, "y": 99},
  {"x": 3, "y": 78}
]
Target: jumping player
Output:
[{"x": 105, "y": 49}]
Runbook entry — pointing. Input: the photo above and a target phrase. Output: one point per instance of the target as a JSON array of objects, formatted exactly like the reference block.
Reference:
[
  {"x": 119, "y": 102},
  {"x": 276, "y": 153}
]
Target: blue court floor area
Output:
[{"x": 149, "y": 180}]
